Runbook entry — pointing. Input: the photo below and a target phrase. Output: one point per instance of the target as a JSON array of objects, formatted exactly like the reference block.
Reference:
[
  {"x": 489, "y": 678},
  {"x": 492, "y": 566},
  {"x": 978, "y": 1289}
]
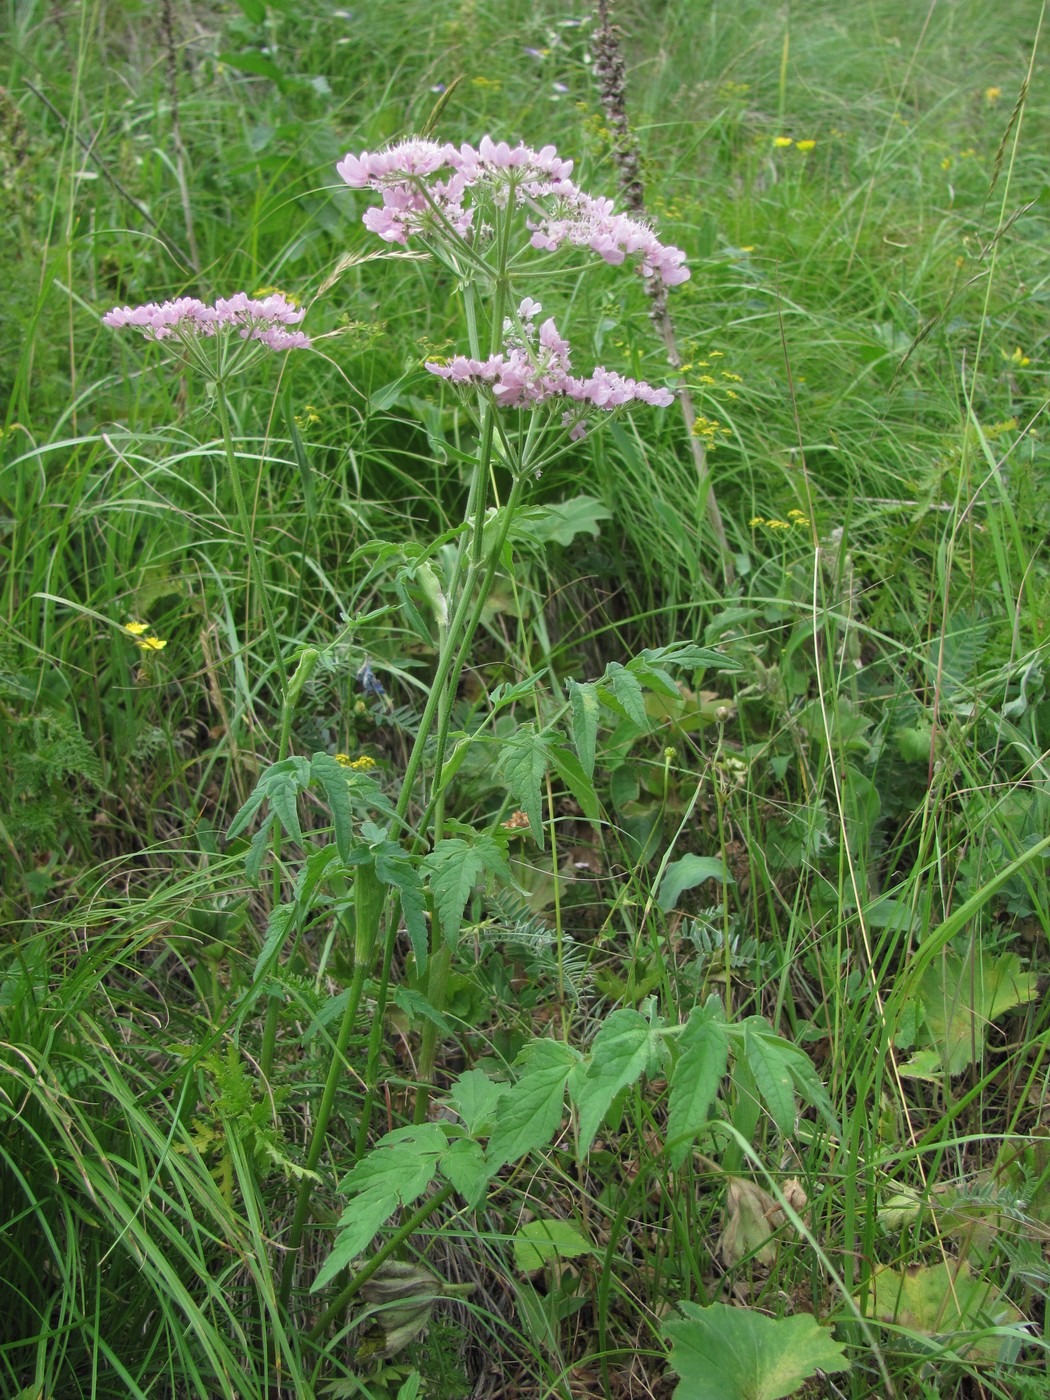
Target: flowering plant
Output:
[{"x": 485, "y": 214}]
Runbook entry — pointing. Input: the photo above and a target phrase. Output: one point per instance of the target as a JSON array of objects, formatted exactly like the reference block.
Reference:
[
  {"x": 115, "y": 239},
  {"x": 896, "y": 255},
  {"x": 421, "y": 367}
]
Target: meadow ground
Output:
[{"x": 516, "y": 898}]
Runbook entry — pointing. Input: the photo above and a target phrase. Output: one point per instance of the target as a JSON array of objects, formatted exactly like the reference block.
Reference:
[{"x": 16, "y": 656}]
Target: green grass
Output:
[{"x": 865, "y": 334}]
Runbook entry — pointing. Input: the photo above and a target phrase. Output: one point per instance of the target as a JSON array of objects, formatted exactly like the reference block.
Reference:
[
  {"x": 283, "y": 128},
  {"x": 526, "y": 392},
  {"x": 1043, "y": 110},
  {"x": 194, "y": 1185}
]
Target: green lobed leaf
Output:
[
  {"x": 277, "y": 926},
  {"x": 570, "y": 770},
  {"x": 333, "y": 779},
  {"x": 585, "y": 707},
  {"x": 529, "y": 1112},
  {"x": 726, "y": 1353},
  {"x": 523, "y": 761},
  {"x": 542, "y": 1242},
  {"x": 768, "y": 1064},
  {"x": 703, "y": 1054},
  {"x": 453, "y": 867},
  {"x": 394, "y": 868},
  {"x": 619, "y": 1054},
  {"x": 465, "y": 1166},
  {"x": 628, "y": 691},
  {"x": 474, "y": 1096},
  {"x": 394, "y": 1173}
]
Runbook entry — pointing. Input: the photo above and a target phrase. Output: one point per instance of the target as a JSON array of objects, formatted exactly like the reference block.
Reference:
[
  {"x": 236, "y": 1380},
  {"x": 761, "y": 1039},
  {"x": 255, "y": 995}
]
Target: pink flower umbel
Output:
[
  {"x": 416, "y": 204},
  {"x": 209, "y": 335},
  {"x": 534, "y": 369}
]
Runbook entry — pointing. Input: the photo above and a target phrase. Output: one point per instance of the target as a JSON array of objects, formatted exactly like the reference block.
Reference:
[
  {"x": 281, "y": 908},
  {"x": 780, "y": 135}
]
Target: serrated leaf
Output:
[
  {"x": 570, "y": 770},
  {"x": 277, "y": 926},
  {"x": 618, "y": 1056},
  {"x": 358, "y": 1226},
  {"x": 332, "y": 777},
  {"x": 465, "y": 1166},
  {"x": 628, "y": 691},
  {"x": 474, "y": 1096},
  {"x": 585, "y": 707},
  {"x": 245, "y": 813},
  {"x": 394, "y": 1173},
  {"x": 529, "y": 1112},
  {"x": 652, "y": 676},
  {"x": 686, "y": 874},
  {"x": 394, "y": 868},
  {"x": 772, "y": 1077},
  {"x": 453, "y": 867},
  {"x": 257, "y": 848},
  {"x": 523, "y": 762},
  {"x": 703, "y": 1054},
  {"x": 542, "y": 1242},
  {"x": 692, "y": 657},
  {"x": 727, "y": 1353}
]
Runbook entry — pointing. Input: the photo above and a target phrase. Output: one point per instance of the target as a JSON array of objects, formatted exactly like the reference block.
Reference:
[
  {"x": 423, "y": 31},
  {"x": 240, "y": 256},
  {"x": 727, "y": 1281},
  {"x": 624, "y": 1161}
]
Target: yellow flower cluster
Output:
[
  {"x": 309, "y": 415},
  {"x": 276, "y": 292},
  {"x": 794, "y": 517},
  {"x": 361, "y": 764},
  {"x": 144, "y": 638},
  {"x": 709, "y": 429},
  {"x": 781, "y": 143}
]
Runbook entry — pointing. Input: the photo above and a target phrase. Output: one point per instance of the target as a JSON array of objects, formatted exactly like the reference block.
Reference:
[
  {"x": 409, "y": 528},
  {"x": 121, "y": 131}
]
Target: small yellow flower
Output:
[
  {"x": 796, "y": 514},
  {"x": 992, "y": 95},
  {"x": 946, "y": 163},
  {"x": 705, "y": 379},
  {"x": 151, "y": 644},
  {"x": 277, "y": 292},
  {"x": 804, "y": 145},
  {"x": 756, "y": 520},
  {"x": 782, "y": 142},
  {"x": 136, "y": 629},
  {"x": 361, "y": 764},
  {"x": 1017, "y": 358}
]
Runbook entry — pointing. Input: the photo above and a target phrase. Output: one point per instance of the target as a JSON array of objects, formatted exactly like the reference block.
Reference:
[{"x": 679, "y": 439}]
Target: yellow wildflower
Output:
[
  {"x": 361, "y": 764},
  {"x": 151, "y": 644},
  {"x": 796, "y": 514},
  {"x": 705, "y": 379},
  {"x": 804, "y": 145},
  {"x": 1017, "y": 358},
  {"x": 782, "y": 142},
  {"x": 756, "y": 520},
  {"x": 992, "y": 95},
  {"x": 136, "y": 629},
  {"x": 946, "y": 163}
]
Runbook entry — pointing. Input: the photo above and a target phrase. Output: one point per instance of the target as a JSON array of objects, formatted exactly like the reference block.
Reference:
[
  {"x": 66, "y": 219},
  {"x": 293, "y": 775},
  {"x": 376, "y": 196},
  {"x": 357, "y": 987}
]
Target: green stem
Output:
[
  {"x": 303, "y": 672},
  {"x": 368, "y": 905},
  {"x": 396, "y": 1240},
  {"x": 254, "y": 570}
]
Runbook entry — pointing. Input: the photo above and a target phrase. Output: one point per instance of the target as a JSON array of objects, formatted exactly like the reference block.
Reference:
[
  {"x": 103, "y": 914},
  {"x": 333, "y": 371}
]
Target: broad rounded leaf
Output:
[{"x": 725, "y": 1353}]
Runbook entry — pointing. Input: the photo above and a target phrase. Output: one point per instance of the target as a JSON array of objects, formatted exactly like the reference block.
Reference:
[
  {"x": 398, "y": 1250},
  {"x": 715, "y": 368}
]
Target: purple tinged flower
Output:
[
  {"x": 188, "y": 319},
  {"x": 535, "y": 371},
  {"x": 557, "y": 211}
]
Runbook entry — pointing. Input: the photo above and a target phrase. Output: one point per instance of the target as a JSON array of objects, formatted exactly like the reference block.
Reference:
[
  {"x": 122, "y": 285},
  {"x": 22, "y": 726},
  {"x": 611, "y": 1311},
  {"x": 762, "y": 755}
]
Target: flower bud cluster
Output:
[
  {"x": 557, "y": 211},
  {"x": 264, "y": 320},
  {"x": 534, "y": 368}
]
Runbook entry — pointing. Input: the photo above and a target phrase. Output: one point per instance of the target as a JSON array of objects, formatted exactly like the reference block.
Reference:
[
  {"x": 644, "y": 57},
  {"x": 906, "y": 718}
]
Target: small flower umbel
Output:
[{"x": 221, "y": 340}]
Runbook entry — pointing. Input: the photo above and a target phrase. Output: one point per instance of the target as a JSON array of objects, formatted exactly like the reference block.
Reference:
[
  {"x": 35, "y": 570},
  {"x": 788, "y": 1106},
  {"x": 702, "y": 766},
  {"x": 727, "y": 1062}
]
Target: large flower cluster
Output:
[
  {"x": 416, "y": 202},
  {"x": 265, "y": 320},
  {"x": 534, "y": 367}
]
